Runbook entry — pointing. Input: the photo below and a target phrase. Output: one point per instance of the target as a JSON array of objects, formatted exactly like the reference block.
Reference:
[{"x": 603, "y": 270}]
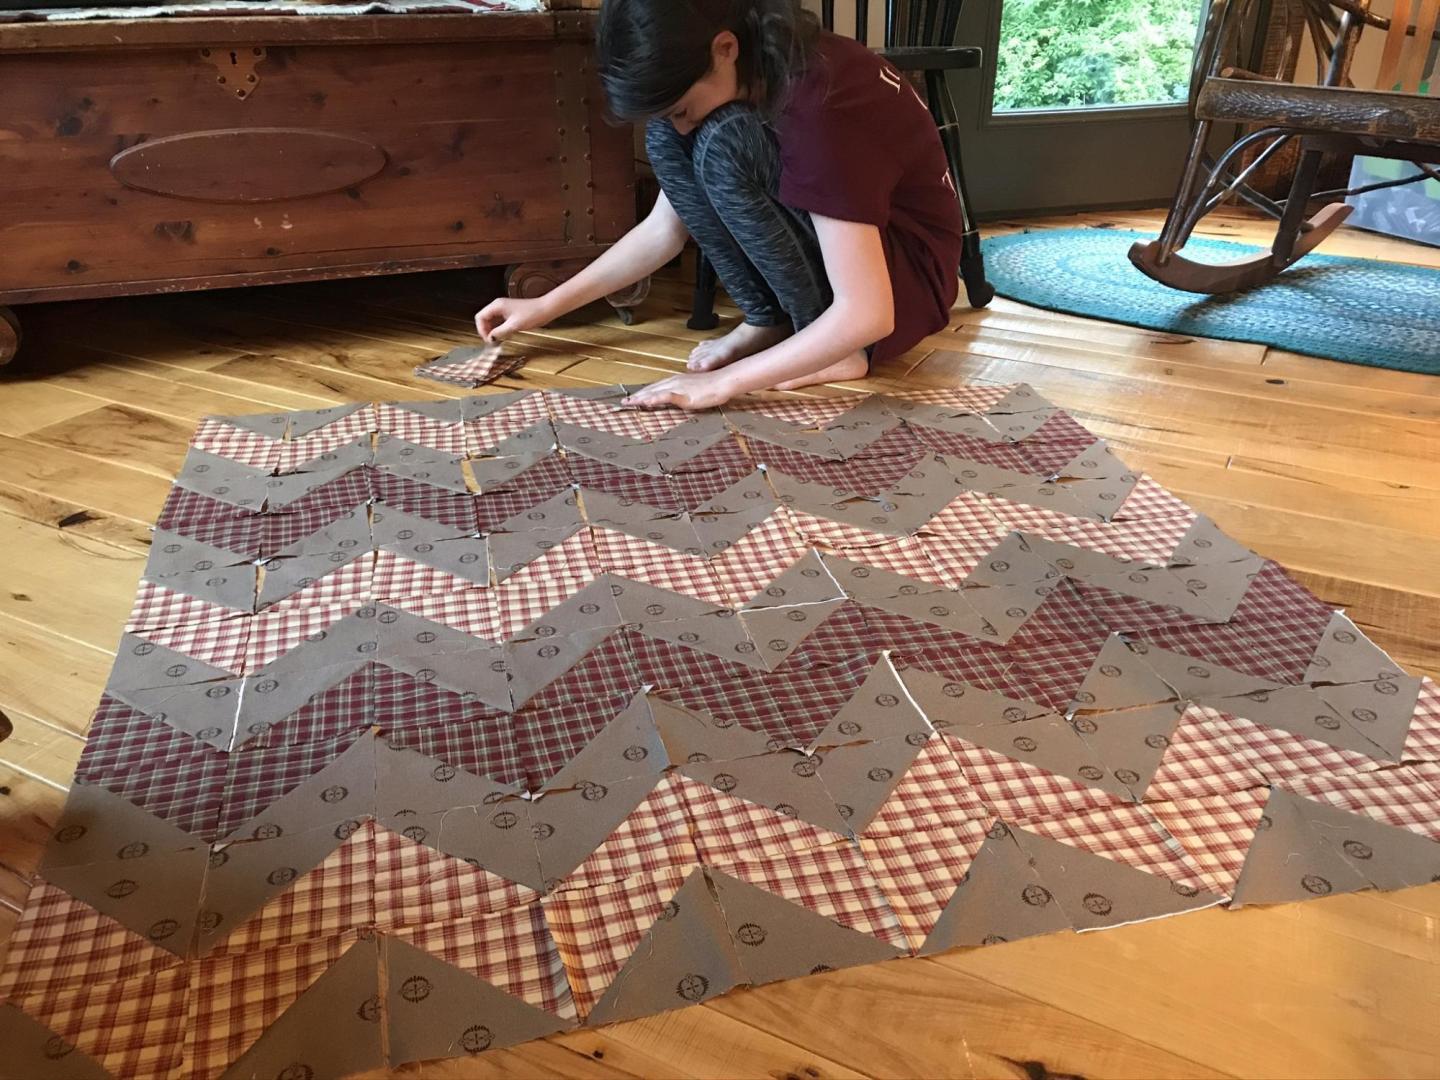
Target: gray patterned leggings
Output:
[{"x": 722, "y": 180}]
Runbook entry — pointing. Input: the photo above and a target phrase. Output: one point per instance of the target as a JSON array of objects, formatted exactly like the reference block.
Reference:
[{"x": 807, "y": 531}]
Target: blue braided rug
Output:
[{"x": 1357, "y": 310}]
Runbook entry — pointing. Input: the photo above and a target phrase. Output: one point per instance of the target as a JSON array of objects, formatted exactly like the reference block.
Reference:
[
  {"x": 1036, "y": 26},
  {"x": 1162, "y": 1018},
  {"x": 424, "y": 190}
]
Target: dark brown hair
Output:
[{"x": 652, "y": 51}]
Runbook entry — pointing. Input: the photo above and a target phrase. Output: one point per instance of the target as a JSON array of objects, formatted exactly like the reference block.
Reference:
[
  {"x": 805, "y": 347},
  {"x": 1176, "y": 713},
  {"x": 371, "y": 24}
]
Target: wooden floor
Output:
[{"x": 1329, "y": 468}]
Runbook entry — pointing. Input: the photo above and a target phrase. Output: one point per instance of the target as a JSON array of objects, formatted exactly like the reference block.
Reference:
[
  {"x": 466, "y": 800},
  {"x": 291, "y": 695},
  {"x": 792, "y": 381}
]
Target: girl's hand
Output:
[
  {"x": 692, "y": 391},
  {"x": 507, "y": 316}
]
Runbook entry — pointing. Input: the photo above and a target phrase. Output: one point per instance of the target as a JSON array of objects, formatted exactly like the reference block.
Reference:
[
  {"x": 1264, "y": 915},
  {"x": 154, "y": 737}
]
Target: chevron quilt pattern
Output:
[{"x": 440, "y": 726}]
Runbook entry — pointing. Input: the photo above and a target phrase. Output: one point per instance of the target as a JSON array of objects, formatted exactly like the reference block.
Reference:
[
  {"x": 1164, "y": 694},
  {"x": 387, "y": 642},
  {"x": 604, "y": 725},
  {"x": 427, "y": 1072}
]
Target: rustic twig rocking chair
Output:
[
  {"x": 919, "y": 36},
  {"x": 1333, "y": 116}
]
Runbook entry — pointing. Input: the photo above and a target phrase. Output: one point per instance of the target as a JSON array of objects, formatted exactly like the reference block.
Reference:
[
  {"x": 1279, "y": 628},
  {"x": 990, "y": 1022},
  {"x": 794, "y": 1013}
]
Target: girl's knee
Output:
[{"x": 735, "y": 149}]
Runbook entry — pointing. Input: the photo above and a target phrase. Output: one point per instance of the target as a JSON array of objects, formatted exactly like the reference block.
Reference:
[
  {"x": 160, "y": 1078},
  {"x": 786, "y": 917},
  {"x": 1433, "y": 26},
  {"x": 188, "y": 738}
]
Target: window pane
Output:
[{"x": 1077, "y": 54}]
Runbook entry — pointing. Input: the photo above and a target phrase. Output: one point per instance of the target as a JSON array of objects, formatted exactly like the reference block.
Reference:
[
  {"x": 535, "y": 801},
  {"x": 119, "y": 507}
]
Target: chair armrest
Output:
[{"x": 934, "y": 57}]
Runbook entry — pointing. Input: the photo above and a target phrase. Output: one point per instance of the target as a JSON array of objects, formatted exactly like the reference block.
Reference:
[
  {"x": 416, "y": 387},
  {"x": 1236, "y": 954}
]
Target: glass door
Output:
[{"x": 1080, "y": 103}]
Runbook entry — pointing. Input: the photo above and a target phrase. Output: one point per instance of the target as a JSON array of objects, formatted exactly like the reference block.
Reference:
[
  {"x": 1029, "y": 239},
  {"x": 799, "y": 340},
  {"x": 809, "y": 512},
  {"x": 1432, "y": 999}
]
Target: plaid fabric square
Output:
[
  {"x": 1222, "y": 644},
  {"x": 655, "y": 564},
  {"x": 221, "y": 524},
  {"x": 1215, "y": 831},
  {"x": 625, "y": 484},
  {"x": 792, "y": 705},
  {"x": 335, "y": 897},
  {"x": 482, "y": 435},
  {"x": 1001, "y": 455},
  {"x": 346, "y": 705},
  {"x": 1274, "y": 597},
  {"x": 1129, "y": 615},
  {"x": 844, "y": 638},
  {"x": 1149, "y": 539},
  {"x": 416, "y": 885},
  {"x": 1201, "y": 760},
  {"x": 550, "y": 733},
  {"x": 132, "y": 1028},
  {"x": 1063, "y": 615},
  {"x": 727, "y": 830},
  {"x": 609, "y": 671},
  {"x": 483, "y": 744},
  {"x": 236, "y": 996},
  {"x": 158, "y": 606},
  {"x": 1283, "y": 758},
  {"x": 296, "y": 452},
  {"x": 512, "y": 950},
  {"x": 642, "y": 424},
  {"x": 873, "y": 471},
  {"x": 348, "y": 586},
  {"x": 1401, "y": 797},
  {"x": 1019, "y": 791},
  {"x": 471, "y": 611},
  {"x": 796, "y": 411},
  {"x": 832, "y": 535},
  {"x": 221, "y": 643},
  {"x": 933, "y": 794},
  {"x": 832, "y": 881},
  {"x": 1126, "y": 834},
  {"x": 958, "y": 538},
  {"x": 396, "y": 577},
  {"x": 596, "y": 930},
  {"x": 215, "y": 436},
  {"x": 434, "y": 504},
  {"x": 1061, "y": 427},
  {"x": 1148, "y": 501},
  {"x": 257, "y": 778},
  {"x": 62, "y": 942},
  {"x": 1048, "y": 457},
  {"x": 953, "y": 655},
  {"x": 757, "y": 559},
  {"x": 448, "y": 437},
  {"x": 319, "y": 507},
  {"x": 655, "y": 836},
  {"x": 918, "y": 872},
  {"x": 276, "y": 631},
  {"x": 527, "y": 597},
  {"x": 160, "y": 770},
  {"x": 907, "y": 556}
]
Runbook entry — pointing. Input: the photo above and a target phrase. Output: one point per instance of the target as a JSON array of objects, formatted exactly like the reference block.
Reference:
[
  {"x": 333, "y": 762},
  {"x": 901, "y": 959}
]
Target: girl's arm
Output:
[
  {"x": 863, "y": 312},
  {"x": 641, "y": 251}
]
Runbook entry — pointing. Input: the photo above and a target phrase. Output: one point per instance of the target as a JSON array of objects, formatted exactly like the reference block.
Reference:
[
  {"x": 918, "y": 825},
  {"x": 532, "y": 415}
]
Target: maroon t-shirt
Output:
[{"x": 858, "y": 144}]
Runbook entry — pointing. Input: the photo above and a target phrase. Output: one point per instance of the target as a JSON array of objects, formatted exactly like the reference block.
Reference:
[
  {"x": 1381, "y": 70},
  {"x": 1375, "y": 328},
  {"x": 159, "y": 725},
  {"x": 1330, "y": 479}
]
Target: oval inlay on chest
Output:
[{"x": 244, "y": 165}]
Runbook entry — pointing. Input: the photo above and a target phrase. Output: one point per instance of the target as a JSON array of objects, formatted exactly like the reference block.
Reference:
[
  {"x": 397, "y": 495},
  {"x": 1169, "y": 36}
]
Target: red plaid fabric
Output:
[
  {"x": 1048, "y": 457},
  {"x": 653, "y": 837},
  {"x": 236, "y": 996},
  {"x": 484, "y": 434},
  {"x": 214, "y": 436},
  {"x": 596, "y": 930},
  {"x": 1150, "y": 539},
  {"x": 643, "y": 424},
  {"x": 335, "y": 897},
  {"x": 277, "y": 631},
  {"x": 970, "y": 399},
  {"x": 933, "y": 794},
  {"x": 159, "y": 769},
  {"x": 534, "y": 591},
  {"x": 1148, "y": 500},
  {"x": 825, "y": 411},
  {"x": 434, "y": 504},
  {"x": 157, "y": 606},
  {"x": 1276, "y": 598},
  {"x": 1128, "y": 615},
  {"x": 918, "y": 872},
  {"x": 757, "y": 559},
  {"x": 349, "y": 586},
  {"x": 873, "y": 471},
  {"x": 1423, "y": 742},
  {"x": 512, "y": 950},
  {"x": 1401, "y": 797},
  {"x": 655, "y": 564},
  {"x": 132, "y": 1028},
  {"x": 797, "y": 411},
  {"x": 1215, "y": 831},
  {"x": 727, "y": 830},
  {"x": 1063, "y": 615},
  {"x": 832, "y": 881},
  {"x": 793, "y": 705},
  {"x": 1130, "y": 835},
  {"x": 1061, "y": 427},
  {"x": 397, "y": 577},
  {"x": 1018, "y": 791},
  {"x": 624, "y": 484},
  {"x": 257, "y": 778},
  {"x": 221, "y": 643},
  {"x": 448, "y": 437},
  {"x": 959, "y": 537},
  {"x": 201, "y": 518},
  {"x": 1283, "y": 758},
  {"x": 1222, "y": 644},
  {"x": 553, "y": 728},
  {"x": 1054, "y": 670},
  {"x": 294, "y": 453},
  {"x": 1201, "y": 760},
  {"x": 62, "y": 942},
  {"x": 1001, "y": 455},
  {"x": 908, "y": 557},
  {"x": 416, "y": 885},
  {"x": 471, "y": 610}
]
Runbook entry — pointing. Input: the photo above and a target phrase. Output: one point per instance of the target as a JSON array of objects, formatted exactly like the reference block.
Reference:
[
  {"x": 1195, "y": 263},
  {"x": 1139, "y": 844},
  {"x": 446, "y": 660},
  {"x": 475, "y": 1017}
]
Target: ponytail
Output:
[{"x": 652, "y": 51}]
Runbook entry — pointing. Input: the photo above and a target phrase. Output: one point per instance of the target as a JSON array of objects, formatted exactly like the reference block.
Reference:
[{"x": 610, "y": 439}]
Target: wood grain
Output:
[{"x": 1328, "y": 467}]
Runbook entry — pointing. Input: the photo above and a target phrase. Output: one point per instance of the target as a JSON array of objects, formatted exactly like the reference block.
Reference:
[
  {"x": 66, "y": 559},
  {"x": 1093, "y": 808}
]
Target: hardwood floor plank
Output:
[
  {"x": 143, "y": 440},
  {"x": 26, "y": 406},
  {"x": 29, "y": 808},
  {"x": 55, "y": 679},
  {"x": 41, "y": 750}
]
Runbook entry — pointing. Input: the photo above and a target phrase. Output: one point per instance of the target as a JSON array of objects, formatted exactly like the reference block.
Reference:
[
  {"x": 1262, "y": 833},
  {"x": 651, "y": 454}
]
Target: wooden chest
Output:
[{"x": 151, "y": 155}]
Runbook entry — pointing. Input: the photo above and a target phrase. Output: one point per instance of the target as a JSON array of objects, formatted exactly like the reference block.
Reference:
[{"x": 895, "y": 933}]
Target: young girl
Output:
[{"x": 807, "y": 170}]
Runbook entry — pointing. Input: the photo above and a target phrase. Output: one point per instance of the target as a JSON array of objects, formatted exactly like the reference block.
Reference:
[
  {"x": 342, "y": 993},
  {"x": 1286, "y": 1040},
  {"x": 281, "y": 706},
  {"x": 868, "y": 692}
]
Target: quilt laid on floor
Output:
[{"x": 442, "y": 726}]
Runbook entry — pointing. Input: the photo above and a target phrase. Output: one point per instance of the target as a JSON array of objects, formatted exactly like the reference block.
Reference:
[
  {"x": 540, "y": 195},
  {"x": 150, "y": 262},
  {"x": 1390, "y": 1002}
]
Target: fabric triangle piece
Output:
[
  {"x": 775, "y": 939},
  {"x": 1096, "y": 892},
  {"x": 434, "y": 1010},
  {"x": 331, "y": 1030},
  {"x": 34, "y": 1052},
  {"x": 1001, "y": 898},
  {"x": 686, "y": 957}
]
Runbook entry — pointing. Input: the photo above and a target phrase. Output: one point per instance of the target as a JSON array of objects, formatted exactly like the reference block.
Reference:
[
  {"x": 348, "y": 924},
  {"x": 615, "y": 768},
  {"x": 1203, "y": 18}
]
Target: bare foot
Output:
[
  {"x": 745, "y": 340},
  {"x": 854, "y": 366}
]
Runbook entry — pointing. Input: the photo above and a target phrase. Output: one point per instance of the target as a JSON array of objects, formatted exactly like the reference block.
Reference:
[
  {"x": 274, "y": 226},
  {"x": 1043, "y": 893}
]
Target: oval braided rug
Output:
[{"x": 1361, "y": 311}]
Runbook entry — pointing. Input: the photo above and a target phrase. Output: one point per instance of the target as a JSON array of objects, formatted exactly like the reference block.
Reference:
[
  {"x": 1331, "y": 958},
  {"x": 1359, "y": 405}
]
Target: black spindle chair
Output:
[{"x": 919, "y": 37}]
